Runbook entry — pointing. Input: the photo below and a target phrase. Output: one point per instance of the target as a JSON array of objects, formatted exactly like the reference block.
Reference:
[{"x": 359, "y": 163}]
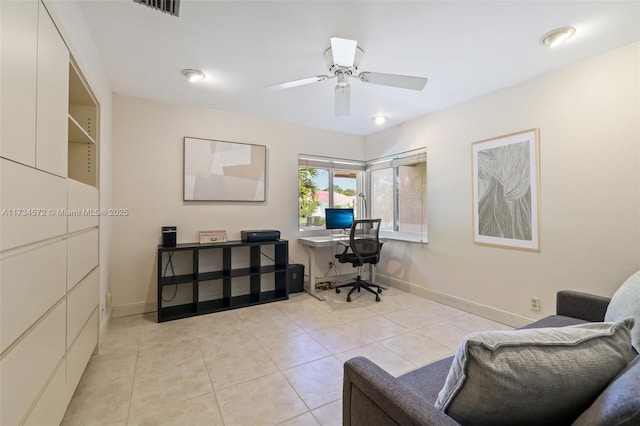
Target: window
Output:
[
  {"x": 382, "y": 204},
  {"x": 327, "y": 182},
  {"x": 397, "y": 190}
]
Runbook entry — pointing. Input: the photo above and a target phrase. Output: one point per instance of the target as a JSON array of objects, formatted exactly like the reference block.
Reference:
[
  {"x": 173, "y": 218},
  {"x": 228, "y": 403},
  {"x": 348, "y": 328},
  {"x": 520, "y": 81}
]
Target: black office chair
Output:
[{"x": 365, "y": 246}]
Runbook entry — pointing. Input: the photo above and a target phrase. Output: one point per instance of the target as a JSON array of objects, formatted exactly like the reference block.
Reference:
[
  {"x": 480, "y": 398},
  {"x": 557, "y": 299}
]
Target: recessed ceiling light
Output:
[
  {"x": 193, "y": 75},
  {"x": 557, "y": 36},
  {"x": 379, "y": 119}
]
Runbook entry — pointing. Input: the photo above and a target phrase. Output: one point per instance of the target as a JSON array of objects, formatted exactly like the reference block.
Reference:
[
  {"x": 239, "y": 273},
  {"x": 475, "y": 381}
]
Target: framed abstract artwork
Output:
[
  {"x": 224, "y": 171},
  {"x": 506, "y": 191}
]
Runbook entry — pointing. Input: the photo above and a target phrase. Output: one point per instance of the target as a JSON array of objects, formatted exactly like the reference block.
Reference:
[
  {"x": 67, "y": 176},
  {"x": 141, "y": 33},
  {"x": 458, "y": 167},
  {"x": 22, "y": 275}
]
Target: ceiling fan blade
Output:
[
  {"x": 344, "y": 51},
  {"x": 343, "y": 100},
  {"x": 393, "y": 80},
  {"x": 296, "y": 83}
]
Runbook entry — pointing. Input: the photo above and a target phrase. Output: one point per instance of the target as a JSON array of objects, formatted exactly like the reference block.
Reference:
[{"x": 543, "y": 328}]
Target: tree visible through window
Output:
[{"x": 308, "y": 192}]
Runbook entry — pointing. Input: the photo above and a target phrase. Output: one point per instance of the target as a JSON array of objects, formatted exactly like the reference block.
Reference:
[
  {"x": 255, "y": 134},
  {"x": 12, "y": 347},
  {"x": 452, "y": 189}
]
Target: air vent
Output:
[{"x": 172, "y": 7}]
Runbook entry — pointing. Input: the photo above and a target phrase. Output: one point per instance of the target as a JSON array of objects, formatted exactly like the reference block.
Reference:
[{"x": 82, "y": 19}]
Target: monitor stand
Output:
[{"x": 340, "y": 234}]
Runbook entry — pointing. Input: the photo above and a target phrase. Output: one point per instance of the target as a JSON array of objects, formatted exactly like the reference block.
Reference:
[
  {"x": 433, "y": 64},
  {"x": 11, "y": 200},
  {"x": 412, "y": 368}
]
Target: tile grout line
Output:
[
  {"x": 133, "y": 380},
  {"x": 213, "y": 389},
  {"x": 312, "y": 312}
]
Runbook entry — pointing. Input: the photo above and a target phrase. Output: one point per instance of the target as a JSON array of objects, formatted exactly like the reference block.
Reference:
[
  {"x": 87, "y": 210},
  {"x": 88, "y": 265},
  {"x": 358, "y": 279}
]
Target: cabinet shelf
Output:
[
  {"x": 178, "y": 279},
  {"x": 211, "y": 306},
  {"x": 77, "y": 134},
  {"x": 232, "y": 276},
  {"x": 180, "y": 311},
  {"x": 210, "y": 276}
]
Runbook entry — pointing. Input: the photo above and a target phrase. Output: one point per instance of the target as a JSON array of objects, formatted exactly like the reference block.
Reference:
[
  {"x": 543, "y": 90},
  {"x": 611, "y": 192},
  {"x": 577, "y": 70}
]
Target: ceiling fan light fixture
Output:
[
  {"x": 342, "y": 100},
  {"x": 556, "y": 37},
  {"x": 193, "y": 75},
  {"x": 380, "y": 119},
  {"x": 343, "y": 79}
]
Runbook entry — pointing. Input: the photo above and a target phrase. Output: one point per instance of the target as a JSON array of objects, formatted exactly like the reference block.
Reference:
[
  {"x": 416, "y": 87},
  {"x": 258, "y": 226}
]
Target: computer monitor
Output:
[{"x": 338, "y": 218}]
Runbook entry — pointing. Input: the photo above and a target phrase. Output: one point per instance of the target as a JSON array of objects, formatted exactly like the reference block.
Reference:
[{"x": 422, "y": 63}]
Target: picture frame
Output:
[
  {"x": 506, "y": 191},
  {"x": 217, "y": 170}
]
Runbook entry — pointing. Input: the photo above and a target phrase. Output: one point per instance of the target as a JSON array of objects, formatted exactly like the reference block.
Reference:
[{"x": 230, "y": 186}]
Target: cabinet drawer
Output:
[
  {"x": 80, "y": 353},
  {"x": 81, "y": 302},
  {"x": 26, "y": 368},
  {"x": 30, "y": 202},
  {"x": 82, "y": 256},
  {"x": 38, "y": 276},
  {"x": 52, "y": 405},
  {"x": 82, "y": 198}
]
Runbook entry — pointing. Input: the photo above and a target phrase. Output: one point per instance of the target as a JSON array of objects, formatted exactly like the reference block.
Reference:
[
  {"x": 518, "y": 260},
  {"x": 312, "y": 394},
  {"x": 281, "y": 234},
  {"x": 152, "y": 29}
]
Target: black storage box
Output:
[
  {"x": 296, "y": 277},
  {"x": 169, "y": 236}
]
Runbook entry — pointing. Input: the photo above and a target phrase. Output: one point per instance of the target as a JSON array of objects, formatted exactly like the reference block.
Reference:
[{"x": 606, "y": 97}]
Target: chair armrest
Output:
[
  {"x": 371, "y": 396},
  {"x": 584, "y": 306}
]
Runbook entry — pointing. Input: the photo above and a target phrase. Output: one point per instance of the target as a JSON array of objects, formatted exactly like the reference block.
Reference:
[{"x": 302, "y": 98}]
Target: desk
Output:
[{"x": 312, "y": 243}]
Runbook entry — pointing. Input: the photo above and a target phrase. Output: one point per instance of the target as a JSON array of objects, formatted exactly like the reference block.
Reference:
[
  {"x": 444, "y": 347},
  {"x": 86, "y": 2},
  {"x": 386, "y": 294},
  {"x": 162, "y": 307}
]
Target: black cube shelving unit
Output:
[{"x": 216, "y": 282}]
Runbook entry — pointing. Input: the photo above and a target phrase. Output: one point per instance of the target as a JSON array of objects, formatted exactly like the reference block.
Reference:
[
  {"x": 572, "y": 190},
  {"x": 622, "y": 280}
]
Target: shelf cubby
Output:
[{"x": 83, "y": 130}]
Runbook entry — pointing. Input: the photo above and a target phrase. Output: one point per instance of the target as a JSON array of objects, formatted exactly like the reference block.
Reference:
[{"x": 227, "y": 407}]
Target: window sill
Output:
[{"x": 406, "y": 237}]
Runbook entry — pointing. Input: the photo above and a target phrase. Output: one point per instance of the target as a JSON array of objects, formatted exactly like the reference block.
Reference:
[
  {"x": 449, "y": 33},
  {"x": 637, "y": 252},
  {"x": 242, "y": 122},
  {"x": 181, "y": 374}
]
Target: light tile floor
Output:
[{"x": 273, "y": 364}]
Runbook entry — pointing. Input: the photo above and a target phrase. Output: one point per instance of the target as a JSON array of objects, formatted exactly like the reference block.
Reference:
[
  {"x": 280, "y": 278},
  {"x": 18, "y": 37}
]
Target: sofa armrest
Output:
[
  {"x": 371, "y": 396},
  {"x": 584, "y": 306}
]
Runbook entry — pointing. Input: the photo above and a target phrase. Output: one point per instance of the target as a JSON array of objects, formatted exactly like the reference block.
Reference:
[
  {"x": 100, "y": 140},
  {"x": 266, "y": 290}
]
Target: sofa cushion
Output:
[
  {"x": 626, "y": 303},
  {"x": 428, "y": 380},
  {"x": 555, "y": 321},
  {"x": 619, "y": 404},
  {"x": 516, "y": 377}
]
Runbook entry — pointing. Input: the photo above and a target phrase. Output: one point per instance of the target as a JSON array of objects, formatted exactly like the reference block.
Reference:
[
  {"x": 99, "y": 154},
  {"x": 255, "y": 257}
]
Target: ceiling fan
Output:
[{"x": 343, "y": 60}]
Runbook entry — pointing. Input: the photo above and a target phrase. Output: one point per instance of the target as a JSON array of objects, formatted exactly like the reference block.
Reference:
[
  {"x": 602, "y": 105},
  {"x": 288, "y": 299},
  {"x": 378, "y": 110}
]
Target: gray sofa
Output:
[{"x": 372, "y": 397}]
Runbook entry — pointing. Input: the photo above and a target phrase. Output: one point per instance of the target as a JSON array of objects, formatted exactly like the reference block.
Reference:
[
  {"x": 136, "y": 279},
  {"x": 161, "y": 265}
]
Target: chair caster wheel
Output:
[
  {"x": 337, "y": 290},
  {"x": 377, "y": 298},
  {"x": 348, "y": 298},
  {"x": 379, "y": 290}
]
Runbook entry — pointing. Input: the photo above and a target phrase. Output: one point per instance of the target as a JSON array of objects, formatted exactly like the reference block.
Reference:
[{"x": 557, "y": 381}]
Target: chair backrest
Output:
[{"x": 365, "y": 241}]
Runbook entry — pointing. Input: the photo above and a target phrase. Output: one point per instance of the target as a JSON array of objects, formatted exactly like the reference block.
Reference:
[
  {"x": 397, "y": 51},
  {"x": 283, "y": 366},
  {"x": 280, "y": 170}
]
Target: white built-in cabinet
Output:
[
  {"x": 19, "y": 44},
  {"x": 52, "y": 98},
  {"x": 49, "y": 227}
]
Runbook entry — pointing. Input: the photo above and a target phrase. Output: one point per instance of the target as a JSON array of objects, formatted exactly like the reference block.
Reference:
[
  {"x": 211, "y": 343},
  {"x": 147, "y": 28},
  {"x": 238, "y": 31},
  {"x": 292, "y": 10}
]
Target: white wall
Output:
[
  {"x": 74, "y": 29},
  {"x": 148, "y": 178},
  {"x": 588, "y": 116},
  {"x": 590, "y": 188}
]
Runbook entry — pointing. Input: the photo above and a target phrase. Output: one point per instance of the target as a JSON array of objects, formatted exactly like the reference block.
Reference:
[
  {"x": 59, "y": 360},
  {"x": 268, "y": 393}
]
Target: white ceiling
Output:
[{"x": 464, "y": 48}]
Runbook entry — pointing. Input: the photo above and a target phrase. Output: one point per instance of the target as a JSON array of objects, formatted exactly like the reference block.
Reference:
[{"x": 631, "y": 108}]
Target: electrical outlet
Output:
[
  {"x": 535, "y": 303},
  {"x": 330, "y": 265}
]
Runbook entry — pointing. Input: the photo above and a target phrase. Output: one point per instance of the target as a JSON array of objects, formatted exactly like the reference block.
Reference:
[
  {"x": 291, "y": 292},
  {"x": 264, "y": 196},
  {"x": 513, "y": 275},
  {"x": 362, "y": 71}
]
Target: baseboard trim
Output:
[
  {"x": 484, "y": 311},
  {"x": 133, "y": 309},
  {"x": 104, "y": 327}
]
